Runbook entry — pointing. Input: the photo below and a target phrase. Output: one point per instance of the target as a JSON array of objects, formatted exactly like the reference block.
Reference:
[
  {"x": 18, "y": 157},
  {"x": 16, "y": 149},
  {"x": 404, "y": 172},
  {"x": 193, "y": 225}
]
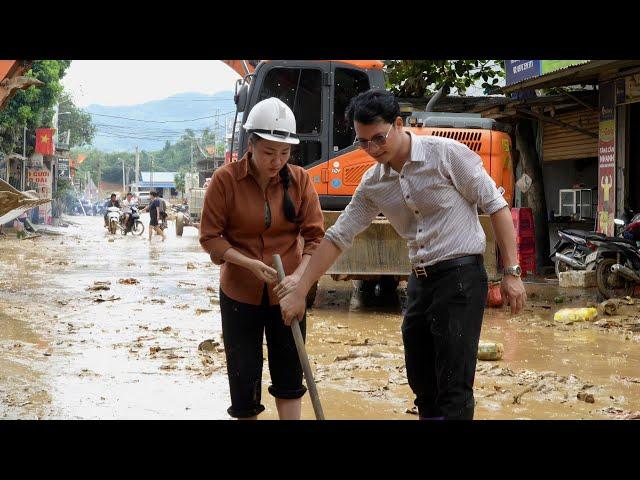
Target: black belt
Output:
[{"x": 447, "y": 265}]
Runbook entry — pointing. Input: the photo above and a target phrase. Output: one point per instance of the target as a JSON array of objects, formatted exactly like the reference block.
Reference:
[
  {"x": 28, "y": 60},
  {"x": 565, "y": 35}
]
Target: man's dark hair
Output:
[
  {"x": 154, "y": 194},
  {"x": 373, "y": 106},
  {"x": 113, "y": 195}
]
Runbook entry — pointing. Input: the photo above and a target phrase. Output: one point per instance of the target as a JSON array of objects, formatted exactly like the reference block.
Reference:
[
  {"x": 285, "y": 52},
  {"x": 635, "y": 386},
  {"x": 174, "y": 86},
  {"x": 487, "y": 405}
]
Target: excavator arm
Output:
[{"x": 243, "y": 67}]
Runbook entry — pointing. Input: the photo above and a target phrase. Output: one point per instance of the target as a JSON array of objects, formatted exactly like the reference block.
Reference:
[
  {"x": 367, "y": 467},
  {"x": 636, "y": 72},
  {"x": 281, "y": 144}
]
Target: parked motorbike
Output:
[
  {"x": 618, "y": 260},
  {"x": 574, "y": 251}
]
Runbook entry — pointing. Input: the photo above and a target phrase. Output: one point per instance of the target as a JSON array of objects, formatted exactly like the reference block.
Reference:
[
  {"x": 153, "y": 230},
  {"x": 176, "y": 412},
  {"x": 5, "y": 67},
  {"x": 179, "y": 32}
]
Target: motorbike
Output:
[
  {"x": 135, "y": 226},
  {"x": 113, "y": 219},
  {"x": 618, "y": 260},
  {"x": 574, "y": 251}
]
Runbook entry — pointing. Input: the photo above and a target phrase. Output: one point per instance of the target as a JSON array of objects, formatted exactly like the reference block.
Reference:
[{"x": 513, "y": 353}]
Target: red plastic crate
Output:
[{"x": 523, "y": 221}]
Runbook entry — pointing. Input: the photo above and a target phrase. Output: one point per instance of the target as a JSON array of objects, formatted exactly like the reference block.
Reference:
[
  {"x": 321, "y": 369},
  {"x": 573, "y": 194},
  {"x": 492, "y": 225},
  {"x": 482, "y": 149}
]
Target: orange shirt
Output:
[{"x": 233, "y": 216}]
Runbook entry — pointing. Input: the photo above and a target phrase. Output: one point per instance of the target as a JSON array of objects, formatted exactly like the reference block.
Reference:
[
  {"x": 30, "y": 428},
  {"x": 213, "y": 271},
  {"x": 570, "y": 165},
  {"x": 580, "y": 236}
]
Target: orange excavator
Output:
[{"x": 319, "y": 92}]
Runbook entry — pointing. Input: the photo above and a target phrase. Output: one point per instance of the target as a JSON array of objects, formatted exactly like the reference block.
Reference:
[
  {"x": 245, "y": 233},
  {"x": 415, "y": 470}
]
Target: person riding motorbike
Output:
[
  {"x": 126, "y": 210},
  {"x": 112, "y": 202}
]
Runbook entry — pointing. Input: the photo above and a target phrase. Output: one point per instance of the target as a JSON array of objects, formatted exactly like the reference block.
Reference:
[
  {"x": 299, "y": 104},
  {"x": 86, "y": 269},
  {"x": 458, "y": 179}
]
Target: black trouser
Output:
[
  {"x": 243, "y": 329},
  {"x": 441, "y": 331}
]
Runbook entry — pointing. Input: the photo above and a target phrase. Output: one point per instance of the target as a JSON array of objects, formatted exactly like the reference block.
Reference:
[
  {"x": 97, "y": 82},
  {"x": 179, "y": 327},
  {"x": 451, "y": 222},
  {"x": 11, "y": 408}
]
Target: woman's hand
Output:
[
  {"x": 286, "y": 286},
  {"x": 263, "y": 272}
]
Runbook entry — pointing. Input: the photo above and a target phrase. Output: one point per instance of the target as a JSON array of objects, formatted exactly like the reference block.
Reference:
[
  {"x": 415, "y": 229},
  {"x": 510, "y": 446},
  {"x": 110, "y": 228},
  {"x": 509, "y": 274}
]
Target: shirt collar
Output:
[{"x": 416, "y": 154}]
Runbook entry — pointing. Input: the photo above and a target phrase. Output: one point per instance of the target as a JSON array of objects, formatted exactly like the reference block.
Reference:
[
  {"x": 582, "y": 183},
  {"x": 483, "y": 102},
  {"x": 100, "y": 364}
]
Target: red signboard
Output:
[{"x": 607, "y": 160}]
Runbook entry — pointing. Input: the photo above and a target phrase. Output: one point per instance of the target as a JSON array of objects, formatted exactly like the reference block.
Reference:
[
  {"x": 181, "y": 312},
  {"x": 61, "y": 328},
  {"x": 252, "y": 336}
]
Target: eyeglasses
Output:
[{"x": 378, "y": 140}]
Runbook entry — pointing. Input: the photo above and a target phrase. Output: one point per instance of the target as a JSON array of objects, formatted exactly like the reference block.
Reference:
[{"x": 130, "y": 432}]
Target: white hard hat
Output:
[{"x": 272, "y": 119}]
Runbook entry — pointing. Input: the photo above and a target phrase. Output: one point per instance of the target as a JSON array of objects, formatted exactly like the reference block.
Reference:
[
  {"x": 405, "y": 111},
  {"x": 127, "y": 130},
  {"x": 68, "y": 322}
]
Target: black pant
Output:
[
  {"x": 441, "y": 331},
  {"x": 243, "y": 328}
]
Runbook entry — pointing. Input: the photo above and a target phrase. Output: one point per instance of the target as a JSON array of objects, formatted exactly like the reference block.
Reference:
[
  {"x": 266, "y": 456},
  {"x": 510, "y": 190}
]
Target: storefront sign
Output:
[
  {"x": 41, "y": 179},
  {"x": 628, "y": 89},
  {"x": 607, "y": 160},
  {"x": 519, "y": 70},
  {"x": 63, "y": 168}
]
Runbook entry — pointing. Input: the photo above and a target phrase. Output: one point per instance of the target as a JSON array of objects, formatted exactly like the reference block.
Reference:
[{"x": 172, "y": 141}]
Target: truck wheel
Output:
[
  {"x": 311, "y": 296},
  {"x": 179, "y": 225},
  {"x": 379, "y": 292}
]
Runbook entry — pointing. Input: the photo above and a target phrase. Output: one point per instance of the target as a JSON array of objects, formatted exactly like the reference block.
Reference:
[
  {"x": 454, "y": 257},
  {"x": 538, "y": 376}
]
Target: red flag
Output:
[{"x": 44, "y": 141}]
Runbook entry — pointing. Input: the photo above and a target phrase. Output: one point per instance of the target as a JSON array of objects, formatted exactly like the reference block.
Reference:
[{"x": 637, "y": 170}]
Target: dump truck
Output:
[{"x": 319, "y": 92}]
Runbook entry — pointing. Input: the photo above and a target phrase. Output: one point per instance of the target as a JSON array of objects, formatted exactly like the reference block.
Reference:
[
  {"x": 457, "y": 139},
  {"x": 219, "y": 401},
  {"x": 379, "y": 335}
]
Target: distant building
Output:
[{"x": 162, "y": 182}]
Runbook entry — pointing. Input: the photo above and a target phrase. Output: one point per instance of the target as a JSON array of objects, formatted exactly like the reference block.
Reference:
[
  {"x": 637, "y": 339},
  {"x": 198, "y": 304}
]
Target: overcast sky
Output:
[{"x": 129, "y": 82}]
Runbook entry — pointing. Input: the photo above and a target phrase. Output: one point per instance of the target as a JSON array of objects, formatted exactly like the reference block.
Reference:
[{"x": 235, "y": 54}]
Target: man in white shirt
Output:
[{"x": 429, "y": 188}]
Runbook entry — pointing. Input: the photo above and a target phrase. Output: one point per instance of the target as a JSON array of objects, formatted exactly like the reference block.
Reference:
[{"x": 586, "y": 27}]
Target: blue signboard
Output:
[{"x": 519, "y": 70}]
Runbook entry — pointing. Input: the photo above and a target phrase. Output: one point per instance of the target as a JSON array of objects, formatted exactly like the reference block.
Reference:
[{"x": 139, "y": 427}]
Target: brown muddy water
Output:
[{"x": 71, "y": 348}]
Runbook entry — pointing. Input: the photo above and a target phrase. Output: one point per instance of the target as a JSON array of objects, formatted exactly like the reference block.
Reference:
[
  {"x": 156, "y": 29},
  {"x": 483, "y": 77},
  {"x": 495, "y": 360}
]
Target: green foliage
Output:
[
  {"x": 32, "y": 107},
  {"x": 78, "y": 122},
  {"x": 180, "y": 181},
  {"x": 422, "y": 78}
]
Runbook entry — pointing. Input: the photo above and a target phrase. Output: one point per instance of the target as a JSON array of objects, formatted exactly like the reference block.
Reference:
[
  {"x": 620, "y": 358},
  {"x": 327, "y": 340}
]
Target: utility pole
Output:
[
  {"x": 24, "y": 156},
  {"x": 151, "y": 172},
  {"x": 99, "y": 180},
  {"x": 124, "y": 187},
  {"x": 191, "y": 169},
  {"x": 137, "y": 171}
]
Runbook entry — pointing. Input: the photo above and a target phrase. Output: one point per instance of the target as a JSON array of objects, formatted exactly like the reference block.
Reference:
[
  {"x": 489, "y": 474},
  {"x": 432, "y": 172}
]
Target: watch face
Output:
[{"x": 517, "y": 270}]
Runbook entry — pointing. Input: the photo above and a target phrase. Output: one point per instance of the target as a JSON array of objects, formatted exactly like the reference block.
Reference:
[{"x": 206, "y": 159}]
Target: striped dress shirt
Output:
[{"x": 432, "y": 203}]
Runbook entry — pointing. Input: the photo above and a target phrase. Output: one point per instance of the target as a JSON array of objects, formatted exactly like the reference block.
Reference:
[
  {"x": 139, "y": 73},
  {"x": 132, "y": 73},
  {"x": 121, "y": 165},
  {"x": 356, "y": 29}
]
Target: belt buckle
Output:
[{"x": 420, "y": 272}]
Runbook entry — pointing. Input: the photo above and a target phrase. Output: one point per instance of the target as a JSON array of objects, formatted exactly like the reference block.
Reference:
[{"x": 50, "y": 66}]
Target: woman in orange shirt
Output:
[{"x": 253, "y": 209}]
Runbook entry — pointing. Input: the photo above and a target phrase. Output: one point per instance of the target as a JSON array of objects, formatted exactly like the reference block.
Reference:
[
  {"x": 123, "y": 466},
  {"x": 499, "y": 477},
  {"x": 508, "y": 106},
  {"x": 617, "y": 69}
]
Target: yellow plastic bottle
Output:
[{"x": 570, "y": 315}]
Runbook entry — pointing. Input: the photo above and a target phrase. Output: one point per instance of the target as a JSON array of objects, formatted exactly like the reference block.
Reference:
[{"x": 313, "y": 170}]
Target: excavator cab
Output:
[{"x": 318, "y": 93}]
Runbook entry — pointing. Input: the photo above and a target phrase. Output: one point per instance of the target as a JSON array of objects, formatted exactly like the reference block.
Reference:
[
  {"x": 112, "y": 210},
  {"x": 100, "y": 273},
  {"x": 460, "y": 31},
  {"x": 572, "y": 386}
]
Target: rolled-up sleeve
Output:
[
  {"x": 312, "y": 221},
  {"x": 356, "y": 217},
  {"x": 470, "y": 178},
  {"x": 214, "y": 221}
]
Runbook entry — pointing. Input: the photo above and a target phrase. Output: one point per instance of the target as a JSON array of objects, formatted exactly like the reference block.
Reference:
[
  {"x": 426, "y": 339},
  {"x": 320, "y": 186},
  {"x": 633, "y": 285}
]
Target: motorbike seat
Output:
[{"x": 620, "y": 240}]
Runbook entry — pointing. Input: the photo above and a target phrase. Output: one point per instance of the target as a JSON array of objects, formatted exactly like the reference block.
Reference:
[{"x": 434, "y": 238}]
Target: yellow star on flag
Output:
[{"x": 44, "y": 139}]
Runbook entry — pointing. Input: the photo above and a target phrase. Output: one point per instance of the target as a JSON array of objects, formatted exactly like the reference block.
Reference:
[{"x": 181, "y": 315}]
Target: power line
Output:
[{"x": 159, "y": 121}]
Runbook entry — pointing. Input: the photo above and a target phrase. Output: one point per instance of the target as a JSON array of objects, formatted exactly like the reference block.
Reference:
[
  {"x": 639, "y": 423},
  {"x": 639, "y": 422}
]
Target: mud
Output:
[{"x": 151, "y": 347}]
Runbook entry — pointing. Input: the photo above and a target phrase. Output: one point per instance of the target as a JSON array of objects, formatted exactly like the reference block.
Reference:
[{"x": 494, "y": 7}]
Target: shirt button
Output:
[
  {"x": 421, "y": 246},
  {"x": 417, "y": 211},
  {"x": 419, "y": 230},
  {"x": 401, "y": 176},
  {"x": 407, "y": 196}
]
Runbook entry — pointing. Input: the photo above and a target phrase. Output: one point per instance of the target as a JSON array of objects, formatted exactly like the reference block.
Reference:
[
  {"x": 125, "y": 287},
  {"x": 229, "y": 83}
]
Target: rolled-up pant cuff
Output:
[
  {"x": 247, "y": 413},
  {"x": 287, "y": 394}
]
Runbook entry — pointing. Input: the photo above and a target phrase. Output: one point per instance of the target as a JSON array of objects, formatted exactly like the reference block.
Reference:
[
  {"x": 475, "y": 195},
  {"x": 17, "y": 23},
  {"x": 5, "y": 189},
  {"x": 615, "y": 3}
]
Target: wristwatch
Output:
[{"x": 514, "y": 270}]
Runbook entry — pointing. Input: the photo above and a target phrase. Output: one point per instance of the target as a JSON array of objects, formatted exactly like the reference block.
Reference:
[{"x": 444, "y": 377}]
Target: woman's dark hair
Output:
[
  {"x": 372, "y": 106},
  {"x": 288, "y": 206}
]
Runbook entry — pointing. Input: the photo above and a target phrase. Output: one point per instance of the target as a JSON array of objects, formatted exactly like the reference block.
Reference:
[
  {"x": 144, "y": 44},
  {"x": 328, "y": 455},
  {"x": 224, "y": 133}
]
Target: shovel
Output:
[{"x": 302, "y": 353}]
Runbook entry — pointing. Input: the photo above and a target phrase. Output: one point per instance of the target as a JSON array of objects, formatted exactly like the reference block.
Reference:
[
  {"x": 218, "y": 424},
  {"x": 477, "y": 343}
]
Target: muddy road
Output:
[{"x": 100, "y": 327}]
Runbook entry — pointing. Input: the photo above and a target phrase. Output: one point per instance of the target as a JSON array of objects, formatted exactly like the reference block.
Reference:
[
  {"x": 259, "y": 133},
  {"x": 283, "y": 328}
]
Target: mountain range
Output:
[{"x": 150, "y": 125}]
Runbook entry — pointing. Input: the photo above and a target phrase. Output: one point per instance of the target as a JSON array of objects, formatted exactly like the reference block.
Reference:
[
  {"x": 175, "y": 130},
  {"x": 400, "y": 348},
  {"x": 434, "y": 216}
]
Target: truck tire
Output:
[
  {"x": 380, "y": 292},
  {"x": 311, "y": 296},
  {"x": 179, "y": 225}
]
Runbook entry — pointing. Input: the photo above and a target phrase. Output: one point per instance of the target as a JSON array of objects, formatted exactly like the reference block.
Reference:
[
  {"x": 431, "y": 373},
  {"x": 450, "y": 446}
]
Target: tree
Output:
[
  {"x": 32, "y": 107},
  {"x": 179, "y": 178},
  {"x": 78, "y": 122},
  {"x": 422, "y": 78}
]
